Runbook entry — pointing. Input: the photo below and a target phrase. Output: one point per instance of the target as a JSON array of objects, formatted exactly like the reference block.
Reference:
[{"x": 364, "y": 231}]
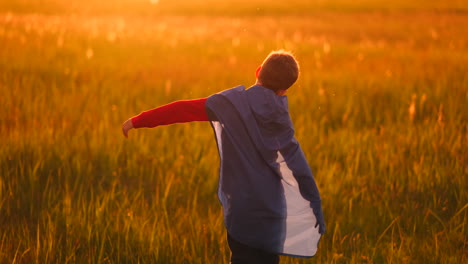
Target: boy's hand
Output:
[
  {"x": 320, "y": 223},
  {"x": 126, "y": 126},
  {"x": 320, "y": 219}
]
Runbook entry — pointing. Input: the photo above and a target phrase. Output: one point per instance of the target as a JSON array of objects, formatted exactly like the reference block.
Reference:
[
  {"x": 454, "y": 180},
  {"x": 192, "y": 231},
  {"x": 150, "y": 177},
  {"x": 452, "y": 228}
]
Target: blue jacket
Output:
[{"x": 269, "y": 196}]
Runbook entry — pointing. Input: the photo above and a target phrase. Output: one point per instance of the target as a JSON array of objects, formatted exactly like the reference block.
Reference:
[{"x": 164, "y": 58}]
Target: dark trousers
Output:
[{"x": 242, "y": 254}]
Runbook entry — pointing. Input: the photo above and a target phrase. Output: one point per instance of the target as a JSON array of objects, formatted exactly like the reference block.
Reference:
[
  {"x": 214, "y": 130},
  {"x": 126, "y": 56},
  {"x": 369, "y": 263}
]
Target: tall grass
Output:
[{"x": 379, "y": 109}]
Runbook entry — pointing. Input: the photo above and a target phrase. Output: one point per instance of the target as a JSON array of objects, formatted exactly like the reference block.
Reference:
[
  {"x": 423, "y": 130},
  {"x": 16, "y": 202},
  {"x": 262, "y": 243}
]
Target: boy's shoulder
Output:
[
  {"x": 231, "y": 94},
  {"x": 237, "y": 89}
]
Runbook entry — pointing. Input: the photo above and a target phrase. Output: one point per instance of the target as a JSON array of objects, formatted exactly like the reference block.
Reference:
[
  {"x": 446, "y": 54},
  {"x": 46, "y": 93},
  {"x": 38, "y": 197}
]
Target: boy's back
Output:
[{"x": 262, "y": 168}]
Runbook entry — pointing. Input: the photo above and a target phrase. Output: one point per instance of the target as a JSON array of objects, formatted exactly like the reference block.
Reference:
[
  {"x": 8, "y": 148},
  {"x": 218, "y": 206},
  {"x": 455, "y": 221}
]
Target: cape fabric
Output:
[{"x": 269, "y": 196}]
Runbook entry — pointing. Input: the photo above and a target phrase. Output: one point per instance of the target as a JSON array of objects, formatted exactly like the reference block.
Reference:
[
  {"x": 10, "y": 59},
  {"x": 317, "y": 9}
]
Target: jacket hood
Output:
[
  {"x": 267, "y": 105},
  {"x": 271, "y": 113}
]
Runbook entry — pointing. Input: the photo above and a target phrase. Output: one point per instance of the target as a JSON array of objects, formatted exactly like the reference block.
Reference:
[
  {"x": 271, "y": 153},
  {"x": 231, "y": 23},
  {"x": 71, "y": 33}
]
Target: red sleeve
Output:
[{"x": 176, "y": 112}]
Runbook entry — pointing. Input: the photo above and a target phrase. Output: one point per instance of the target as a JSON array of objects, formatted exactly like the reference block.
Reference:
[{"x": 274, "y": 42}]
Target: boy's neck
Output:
[{"x": 279, "y": 92}]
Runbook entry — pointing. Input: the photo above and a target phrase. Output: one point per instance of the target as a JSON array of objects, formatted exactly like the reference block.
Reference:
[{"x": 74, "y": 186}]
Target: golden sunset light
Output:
[{"x": 378, "y": 117}]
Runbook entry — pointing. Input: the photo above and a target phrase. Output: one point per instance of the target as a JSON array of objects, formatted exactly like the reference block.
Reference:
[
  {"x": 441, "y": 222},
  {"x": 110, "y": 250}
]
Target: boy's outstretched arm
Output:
[{"x": 175, "y": 112}]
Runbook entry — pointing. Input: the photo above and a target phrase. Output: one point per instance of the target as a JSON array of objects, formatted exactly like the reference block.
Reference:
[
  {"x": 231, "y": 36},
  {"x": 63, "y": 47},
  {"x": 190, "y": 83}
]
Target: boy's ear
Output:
[{"x": 257, "y": 72}]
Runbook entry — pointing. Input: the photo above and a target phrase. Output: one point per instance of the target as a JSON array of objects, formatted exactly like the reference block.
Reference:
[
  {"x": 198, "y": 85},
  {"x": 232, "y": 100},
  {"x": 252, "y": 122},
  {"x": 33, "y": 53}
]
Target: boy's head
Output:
[{"x": 279, "y": 71}]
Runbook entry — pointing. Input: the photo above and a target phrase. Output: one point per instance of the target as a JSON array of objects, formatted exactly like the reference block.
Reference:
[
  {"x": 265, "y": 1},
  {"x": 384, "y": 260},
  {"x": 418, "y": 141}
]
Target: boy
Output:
[{"x": 270, "y": 201}]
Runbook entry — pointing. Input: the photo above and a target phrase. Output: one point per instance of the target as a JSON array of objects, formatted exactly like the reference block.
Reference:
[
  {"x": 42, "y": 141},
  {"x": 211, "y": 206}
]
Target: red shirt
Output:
[{"x": 176, "y": 112}]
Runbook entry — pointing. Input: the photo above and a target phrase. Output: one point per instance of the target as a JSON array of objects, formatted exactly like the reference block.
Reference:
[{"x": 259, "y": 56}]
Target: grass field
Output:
[{"x": 380, "y": 110}]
